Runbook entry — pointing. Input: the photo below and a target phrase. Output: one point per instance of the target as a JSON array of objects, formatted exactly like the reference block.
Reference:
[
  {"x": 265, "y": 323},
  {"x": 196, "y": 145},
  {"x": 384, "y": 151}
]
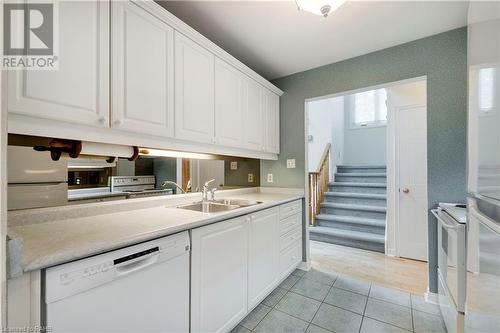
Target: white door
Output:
[
  {"x": 263, "y": 251},
  {"x": 253, "y": 128},
  {"x": 271, "y": 122},
  {"x": 142, "y": 71},
  {"x": 228, "y": 104},
  {"x": 78, "y": 91},
  {"x": 194, "y": 91},
  {"x": 219, "y": 275},
  {"x": 411, "y": 154}
]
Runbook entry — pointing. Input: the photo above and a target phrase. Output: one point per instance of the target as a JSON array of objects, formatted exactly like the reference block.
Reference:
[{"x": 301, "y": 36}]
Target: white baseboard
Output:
[
  {"x": 305, "y": 265},
  {"x": 391, "y": 253},
  {"x": 431, "y": 297}
]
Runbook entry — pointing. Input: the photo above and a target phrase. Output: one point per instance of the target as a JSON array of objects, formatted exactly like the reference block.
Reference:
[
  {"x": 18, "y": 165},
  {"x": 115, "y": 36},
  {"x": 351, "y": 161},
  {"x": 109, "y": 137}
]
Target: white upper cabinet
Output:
[
  {"x": 271, "y": 106},
  {"x": 252, "y": 115},
  {"x": 228, "y": 104},
  {"x": 78, "y": 91},
  {"x": 131, "y": 73},
  {"x": 262, "y": 254},
  {"x": 194, "y": 91},
  {"x": 142, "y": 71}
]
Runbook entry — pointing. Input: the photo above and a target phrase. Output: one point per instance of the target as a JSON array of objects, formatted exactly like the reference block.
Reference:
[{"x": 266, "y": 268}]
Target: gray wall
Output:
[
  {"x": 239, "y": 177},
  {"x": 365, "y": 146},
  {"x": 443, "y": 58},
  {"x": 325, "y": 125}
]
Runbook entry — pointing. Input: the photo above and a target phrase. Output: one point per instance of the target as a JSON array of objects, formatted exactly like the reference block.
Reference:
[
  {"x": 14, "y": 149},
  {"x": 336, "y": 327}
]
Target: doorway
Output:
[{"x": 366, "y": 152}]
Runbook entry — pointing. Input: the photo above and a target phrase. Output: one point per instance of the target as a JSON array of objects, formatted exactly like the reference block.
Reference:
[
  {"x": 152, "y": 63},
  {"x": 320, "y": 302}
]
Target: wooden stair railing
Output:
[{"x": 318, "y": 184}]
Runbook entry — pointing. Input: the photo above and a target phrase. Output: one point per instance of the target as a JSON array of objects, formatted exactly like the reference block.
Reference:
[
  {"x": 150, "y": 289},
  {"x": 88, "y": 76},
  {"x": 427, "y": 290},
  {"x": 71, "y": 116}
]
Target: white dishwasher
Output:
[{"x": 141, "y": 288}]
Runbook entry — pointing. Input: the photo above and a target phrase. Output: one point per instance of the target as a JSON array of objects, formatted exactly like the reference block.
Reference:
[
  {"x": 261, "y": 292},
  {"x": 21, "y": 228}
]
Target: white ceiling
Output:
[{"x": 275, "y": 39}]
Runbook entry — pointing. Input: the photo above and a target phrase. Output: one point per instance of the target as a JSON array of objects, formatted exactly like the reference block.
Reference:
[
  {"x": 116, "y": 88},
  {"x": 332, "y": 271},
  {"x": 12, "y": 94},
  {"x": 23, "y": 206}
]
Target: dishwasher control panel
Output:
[{"x": 67, "y": 279}]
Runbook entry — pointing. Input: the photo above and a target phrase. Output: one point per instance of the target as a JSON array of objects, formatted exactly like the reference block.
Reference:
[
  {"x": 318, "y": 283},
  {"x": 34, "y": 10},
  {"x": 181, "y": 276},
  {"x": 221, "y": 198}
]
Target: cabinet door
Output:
[
  {"x": 78, "y": 91},
  {"x": 252, "y": 115},
  {"x": 271, "y": 122},
  {"x": 142, "y": 71},
  {"x": 262, "y": 254},
  {"x": 194, "y": 91},
  {"x": 219, "y": 276},
  {"x": 228, "y": 104}
]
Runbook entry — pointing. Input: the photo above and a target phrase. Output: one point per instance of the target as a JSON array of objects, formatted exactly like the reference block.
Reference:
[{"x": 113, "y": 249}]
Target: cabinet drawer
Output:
[
  {"x": 289, "y": 260},
  {"x": 291, "y": 238},
  {"x": 289, "y": 223},
  {"x": 290, "y": 208}
]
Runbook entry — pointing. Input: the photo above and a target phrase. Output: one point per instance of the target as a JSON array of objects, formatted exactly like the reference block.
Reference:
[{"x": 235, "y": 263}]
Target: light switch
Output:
[
  {"x": 250, "y": 177},
  {"x": 234, "y": 165},
  {"x": 290, "y": 164},
  {"x": 269, "y": 177}
]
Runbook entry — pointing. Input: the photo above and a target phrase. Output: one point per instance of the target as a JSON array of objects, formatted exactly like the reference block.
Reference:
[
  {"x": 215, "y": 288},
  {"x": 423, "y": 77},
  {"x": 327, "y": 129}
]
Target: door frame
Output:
[{"x": 391, "y": 246}]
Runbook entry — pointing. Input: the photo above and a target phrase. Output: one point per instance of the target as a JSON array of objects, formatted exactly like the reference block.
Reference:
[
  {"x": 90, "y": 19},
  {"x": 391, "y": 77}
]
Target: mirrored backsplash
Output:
[{"x": 92, "y": 178}]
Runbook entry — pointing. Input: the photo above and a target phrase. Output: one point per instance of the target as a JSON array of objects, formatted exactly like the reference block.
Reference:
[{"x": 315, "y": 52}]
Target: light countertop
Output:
[{"x": 41, "y": 238}]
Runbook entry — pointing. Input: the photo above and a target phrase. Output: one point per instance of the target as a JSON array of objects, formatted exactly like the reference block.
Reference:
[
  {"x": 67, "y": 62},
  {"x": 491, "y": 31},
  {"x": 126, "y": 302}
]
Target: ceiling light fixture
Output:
[{"x": 319, "y": 7}]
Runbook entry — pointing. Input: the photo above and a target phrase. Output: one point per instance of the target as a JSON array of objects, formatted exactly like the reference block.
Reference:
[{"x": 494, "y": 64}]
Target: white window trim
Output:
[
  {"x": 353, "y": 125},
  {"x": 485, "y": 112}
]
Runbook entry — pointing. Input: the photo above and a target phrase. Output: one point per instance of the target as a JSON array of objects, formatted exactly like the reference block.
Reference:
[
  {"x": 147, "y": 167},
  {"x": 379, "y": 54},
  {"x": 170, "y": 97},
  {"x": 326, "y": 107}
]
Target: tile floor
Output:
[{"x": 324, "y": 302}]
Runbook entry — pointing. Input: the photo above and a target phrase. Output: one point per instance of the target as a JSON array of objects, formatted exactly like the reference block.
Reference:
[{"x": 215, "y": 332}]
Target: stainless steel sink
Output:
[
  {"x": 218, "y": 206},
  {"x": 238, "y": 202},
  {"x": 209, "y": 207}
]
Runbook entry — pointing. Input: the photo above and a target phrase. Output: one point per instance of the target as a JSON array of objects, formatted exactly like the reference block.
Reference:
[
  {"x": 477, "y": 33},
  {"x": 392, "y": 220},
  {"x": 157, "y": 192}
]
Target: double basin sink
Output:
[{"x": 218, "y": 206}]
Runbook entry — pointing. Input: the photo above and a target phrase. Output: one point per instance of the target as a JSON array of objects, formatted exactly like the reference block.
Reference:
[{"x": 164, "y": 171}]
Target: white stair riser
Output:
[
  {"x": 351, "y": 212},
  {"x": 356, "y": 189},
  {"x": 357, "y": 201},
  {"x": 360, "y": 170},
  {"x": 357, "y": 179},
  {"x": 347, "y": 242},
  {"x": 380, "y": 230}
]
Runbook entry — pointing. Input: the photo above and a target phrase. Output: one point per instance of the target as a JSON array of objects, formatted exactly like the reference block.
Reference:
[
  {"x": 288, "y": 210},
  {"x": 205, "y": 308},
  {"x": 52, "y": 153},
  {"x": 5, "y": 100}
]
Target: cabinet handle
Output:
[
  {"x": 118, "y": 122},
  {"x": 253, "y": 217},
  {"x": 102, "y": 120}
]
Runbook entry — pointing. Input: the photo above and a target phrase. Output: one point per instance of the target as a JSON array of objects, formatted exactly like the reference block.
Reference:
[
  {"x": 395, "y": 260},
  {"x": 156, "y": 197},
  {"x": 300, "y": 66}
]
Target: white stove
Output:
[
  {"x": 136, "y": 186},
  {"x": 452, "y": 269}
]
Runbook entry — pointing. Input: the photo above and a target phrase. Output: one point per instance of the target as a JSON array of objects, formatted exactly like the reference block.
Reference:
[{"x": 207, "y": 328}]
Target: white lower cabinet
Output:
[
  {"x": 219, "y": 275},
  {"x": 262, "y": 254},
  {"x": 236, "y": 263}
]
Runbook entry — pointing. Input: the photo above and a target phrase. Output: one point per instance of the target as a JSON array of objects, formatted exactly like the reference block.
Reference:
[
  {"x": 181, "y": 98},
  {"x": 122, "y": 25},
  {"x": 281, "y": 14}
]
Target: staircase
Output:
[{"x": 353, "y": 209}]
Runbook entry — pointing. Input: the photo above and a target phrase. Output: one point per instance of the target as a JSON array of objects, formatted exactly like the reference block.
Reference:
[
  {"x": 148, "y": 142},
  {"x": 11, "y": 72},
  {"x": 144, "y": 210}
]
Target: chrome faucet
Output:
[
  {"x": 167, "y": 182},
  {"x": 205, "y": 190}
]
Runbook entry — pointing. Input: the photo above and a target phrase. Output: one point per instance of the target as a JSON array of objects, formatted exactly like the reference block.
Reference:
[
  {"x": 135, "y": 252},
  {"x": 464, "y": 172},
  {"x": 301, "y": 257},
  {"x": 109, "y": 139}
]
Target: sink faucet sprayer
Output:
[
  {"x": 167, "y": 182},
  {"x": 205, "y": 191}
]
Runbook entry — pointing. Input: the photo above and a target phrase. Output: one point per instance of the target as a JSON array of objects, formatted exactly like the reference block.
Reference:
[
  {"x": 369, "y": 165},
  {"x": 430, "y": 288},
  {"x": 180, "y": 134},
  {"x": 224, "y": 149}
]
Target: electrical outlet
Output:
[
  {"x": 234, "y": 165},
  {"x": 269, "y": 177},
  {"x": 250, "y": 177},
  {"x": 290, "y": 164}
]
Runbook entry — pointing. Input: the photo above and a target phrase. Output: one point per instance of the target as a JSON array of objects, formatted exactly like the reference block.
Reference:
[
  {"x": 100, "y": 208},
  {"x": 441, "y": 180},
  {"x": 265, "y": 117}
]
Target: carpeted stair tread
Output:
[
  {"x": 352, "y": 220},
  {"x": 361, "y": 174},
  {"x": 348, "y": 234},
  {"x": 356, "y": 195},
  {"x": 351, "y": 184},
  {"x": 362, "y": 166},
  {"x": 367, "y": 208}
]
